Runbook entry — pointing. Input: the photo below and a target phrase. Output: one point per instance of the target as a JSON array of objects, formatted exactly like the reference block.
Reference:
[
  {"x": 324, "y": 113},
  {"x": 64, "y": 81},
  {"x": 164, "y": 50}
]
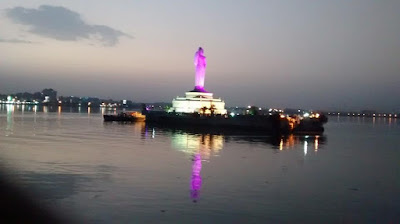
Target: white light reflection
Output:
[
  {"x": 10, "y": 119},
  {"x": 281, "y": 145},
  {"x": 205, "y": 144},
  {"x": 305, "y": 147}
]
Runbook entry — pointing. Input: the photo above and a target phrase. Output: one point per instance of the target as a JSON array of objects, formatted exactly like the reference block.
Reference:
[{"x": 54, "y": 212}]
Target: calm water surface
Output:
[{"x": 132, "y": 173}]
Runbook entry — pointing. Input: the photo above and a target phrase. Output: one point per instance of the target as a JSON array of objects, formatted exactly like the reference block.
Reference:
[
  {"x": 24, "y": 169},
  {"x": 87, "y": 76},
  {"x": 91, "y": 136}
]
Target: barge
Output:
[{"x": 274, "y": 124}]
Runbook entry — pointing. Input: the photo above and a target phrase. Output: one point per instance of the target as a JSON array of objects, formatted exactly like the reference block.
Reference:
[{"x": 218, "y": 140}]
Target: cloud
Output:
[
  {"x": 63, "y": 24},
  {"x": 15, "y": 41}
]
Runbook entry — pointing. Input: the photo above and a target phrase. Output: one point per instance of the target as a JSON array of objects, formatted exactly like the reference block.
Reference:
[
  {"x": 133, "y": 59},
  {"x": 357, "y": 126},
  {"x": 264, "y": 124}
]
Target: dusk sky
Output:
[{"x": 301, "y": 54}]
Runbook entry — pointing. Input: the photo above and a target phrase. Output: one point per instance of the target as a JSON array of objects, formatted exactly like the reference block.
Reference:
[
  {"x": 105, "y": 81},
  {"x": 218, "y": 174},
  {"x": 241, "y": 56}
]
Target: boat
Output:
[{"x": 125, "y": 117}]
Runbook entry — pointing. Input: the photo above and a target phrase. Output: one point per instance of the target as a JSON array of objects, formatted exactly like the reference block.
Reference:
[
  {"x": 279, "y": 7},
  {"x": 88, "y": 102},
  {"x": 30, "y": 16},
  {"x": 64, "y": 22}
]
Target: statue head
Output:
[{"x": 201, "y": 51}]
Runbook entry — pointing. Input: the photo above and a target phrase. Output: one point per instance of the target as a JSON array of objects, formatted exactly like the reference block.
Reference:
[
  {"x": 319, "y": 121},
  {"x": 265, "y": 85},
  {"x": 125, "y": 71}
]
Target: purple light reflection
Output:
[{"x": 195, "y": 185}]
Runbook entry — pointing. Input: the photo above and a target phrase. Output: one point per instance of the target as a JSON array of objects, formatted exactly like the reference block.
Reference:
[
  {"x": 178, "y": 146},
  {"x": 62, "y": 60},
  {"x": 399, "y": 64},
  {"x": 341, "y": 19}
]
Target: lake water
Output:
[{"x": 100, "y": 172}]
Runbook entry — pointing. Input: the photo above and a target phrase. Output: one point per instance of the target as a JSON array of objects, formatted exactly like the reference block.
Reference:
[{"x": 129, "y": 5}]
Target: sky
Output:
[{"x": 325, "y": 54}]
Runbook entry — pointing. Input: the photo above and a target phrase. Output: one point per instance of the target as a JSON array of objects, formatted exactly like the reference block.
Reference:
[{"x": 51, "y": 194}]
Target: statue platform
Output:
[{"x": 196, "y": 102}]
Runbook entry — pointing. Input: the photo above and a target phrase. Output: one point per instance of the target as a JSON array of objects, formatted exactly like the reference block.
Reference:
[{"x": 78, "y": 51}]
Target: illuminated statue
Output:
[
  {"x": 198, "y": 98},
  {"x": 196, "y": 178},
  {"x": 200, "y": 64}
]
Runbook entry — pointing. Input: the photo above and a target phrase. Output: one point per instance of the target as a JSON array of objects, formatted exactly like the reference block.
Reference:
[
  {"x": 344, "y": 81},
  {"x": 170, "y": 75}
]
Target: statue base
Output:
[
  {"x": 197, "y": 101},
  {"x": 199, "y": 89}
]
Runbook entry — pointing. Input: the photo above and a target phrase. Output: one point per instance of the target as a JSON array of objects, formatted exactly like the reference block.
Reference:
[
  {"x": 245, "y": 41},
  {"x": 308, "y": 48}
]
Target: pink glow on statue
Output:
[
  {"x": 200, "y": 64},
  {"x": 196, "y": 178}
]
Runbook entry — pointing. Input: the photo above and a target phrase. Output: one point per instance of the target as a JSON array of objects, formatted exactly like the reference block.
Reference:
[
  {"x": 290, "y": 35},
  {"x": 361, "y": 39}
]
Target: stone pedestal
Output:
[{"x": 198, "y": 102}]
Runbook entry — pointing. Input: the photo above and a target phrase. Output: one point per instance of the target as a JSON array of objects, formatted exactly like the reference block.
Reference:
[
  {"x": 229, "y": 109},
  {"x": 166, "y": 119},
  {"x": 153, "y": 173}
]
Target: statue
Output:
[{"x": 200, "y": 64}]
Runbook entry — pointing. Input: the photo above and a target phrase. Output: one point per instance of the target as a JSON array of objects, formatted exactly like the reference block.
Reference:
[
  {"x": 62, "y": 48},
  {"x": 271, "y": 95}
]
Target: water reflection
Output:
[
  {"x": 316, "y": 142},
  {"x": 10, "y": 119},
  {"x": 374, "y": 121},
  {"x": 284, "y": 142},
  {"x": 196, "y": 178},
  {"x": 305, "y": 147},
  {"x": 49, "y": 108},
  {"x": 198, "y": 146},
  {"x": 291, "y": 141},
  {"x": 202, "y": 146}
]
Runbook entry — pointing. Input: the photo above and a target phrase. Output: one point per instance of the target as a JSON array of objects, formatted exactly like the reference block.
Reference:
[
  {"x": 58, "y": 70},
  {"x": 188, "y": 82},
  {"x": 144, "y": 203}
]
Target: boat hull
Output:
[
  {"x": 110, "y": 118},
  {"x": 269, "y": 124}
]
